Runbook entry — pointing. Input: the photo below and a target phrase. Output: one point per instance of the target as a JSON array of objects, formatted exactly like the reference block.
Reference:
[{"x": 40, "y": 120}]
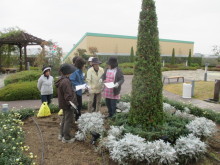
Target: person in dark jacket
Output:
[
  {"x": 115, "y": 75},
  {"x": 77, "y": 78},
  {"x": 65, "y": 95}
]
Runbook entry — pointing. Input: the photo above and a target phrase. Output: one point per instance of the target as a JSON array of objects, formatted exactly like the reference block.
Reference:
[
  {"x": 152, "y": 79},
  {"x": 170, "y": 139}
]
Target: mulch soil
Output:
[
  {"x": 56, "y": 152},
  {"x": 84, "y": 153}
]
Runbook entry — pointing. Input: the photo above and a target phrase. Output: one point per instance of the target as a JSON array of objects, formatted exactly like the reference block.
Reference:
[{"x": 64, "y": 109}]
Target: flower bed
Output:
[
  {"x": 12, "y": 147},
  {"x": 179, "y": 140}
]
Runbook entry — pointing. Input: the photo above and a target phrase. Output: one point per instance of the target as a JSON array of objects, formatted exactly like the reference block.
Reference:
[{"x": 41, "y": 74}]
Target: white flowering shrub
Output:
[
  {"x": 184, "y": 115},
  {"x": 89, "y": 122},
  {"x": 132, "y": 148},
  {"x": 129, "y": 148},
  {"x": 187, "y": 110},
  {"x": 160, "y": 152},
  {"x": 202, "y": 127},
  {"x": 189, "y": 147},
  {"x": 124, "y": 107},
  {"x": 116, "y": 131},
  {"x": 168, "y": 108}
]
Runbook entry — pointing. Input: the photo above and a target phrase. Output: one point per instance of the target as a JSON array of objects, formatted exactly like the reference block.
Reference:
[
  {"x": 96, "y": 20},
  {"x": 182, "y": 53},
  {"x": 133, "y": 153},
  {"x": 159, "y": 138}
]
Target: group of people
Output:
[{"x": 70, "y": 95}]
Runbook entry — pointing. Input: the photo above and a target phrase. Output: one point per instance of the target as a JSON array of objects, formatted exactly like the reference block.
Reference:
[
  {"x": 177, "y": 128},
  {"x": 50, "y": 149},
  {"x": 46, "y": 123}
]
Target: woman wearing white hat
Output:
[
  {"x": 45, "y": 85},
  {"x": 90, "y": 62}
]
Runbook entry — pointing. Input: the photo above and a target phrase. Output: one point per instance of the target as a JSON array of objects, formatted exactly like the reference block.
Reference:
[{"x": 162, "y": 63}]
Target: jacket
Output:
[
  {"x": 93, "y": 78},
  {"x": 119, "y": 78},
  {"x": 45, "y": 85},
  {"x": 77, "y": 78},
  {"x": 65, "y": 93}
]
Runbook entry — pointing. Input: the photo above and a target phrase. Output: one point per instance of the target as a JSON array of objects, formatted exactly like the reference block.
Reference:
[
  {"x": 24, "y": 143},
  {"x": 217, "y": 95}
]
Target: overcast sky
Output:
[{"x": 66, "y": 21}]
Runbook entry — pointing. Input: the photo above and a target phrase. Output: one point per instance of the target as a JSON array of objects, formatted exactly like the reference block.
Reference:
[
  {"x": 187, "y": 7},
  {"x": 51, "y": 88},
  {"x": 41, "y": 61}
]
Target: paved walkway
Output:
[{"x": 126, "y": 88}]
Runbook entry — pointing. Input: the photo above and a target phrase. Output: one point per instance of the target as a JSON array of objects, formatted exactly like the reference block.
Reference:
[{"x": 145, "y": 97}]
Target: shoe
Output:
[
  {"x": 60, "y": 137},
  {"x": 68, "y": 141}
]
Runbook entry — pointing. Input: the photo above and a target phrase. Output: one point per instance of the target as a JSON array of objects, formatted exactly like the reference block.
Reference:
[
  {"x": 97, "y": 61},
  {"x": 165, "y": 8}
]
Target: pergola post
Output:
[
  {"x": 25, "y": 56},
  {"x": 20, "y": 58}
]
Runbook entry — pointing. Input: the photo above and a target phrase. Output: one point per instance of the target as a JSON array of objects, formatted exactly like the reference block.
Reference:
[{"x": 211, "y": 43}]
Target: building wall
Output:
[
  {"x": 166, "y": 48},
  {"x": 111, "y": 45},
  {"x": 107, "y": 43}
]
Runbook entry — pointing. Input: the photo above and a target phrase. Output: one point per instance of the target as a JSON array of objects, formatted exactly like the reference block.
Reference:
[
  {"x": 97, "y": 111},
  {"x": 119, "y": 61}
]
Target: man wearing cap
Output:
[
  {"x": 45, "y": 85},
  {"x": 94, "y": 74}
]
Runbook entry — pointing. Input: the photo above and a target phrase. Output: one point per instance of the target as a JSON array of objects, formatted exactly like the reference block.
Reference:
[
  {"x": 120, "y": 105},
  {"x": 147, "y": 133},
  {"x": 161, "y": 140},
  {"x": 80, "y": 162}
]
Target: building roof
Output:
[{"x": 119, "y": 36}]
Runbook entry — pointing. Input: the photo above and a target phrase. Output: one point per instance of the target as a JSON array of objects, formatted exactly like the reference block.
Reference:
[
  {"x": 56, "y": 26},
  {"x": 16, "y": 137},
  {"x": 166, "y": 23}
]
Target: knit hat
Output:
[
  {"x": 46, "y": 68},
  {"x": 96, "y": 61},
  {"x": 113, "y": 62},
  {"x": 66, "y": 69}
]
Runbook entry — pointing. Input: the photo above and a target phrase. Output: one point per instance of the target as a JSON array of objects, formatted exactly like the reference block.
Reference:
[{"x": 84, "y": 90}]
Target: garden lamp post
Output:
[{"x": 206, "y": 70}]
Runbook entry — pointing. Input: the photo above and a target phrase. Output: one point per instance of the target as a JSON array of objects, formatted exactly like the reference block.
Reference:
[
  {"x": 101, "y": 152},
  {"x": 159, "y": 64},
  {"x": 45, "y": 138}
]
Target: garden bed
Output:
[{"x": 83, "y": 153}]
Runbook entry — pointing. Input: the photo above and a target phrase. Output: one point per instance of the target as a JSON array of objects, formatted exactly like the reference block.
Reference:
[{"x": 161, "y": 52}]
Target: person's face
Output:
[
  {"x": 90, "y": 63},
  {"x": 109, "y": 67},
  {"x": 96, "y": 66},
  {"x": 47, "y": 73}
]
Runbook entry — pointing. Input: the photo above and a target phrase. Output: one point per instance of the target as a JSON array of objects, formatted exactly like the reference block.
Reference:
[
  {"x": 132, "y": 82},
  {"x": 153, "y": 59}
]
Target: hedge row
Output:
[
  {"x": 22, "y": 77},
  {"x": 180, "y": 60},
  {"x": 21, "y": 91}
]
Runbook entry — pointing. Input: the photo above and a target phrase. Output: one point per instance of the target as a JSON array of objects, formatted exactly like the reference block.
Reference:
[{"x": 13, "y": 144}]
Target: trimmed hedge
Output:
[
  {"x": 22, "y": 76},
  {"x": 21, "y": 91},
  {"x": 180, "y": 60}
]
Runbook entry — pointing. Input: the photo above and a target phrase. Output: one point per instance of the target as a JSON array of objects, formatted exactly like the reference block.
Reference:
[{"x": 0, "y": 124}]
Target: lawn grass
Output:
[{"x": 203, "y": 89}]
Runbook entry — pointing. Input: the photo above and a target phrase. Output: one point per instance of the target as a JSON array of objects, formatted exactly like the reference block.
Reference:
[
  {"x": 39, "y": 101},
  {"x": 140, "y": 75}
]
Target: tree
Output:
[
  {"x": 93, "y": 50},
  {"x": 146, "y": 96},
  {"x": 216, "y": 50},
  {"x": 173, "y": 57},
  {"x": 189, "y": 58},
  {"x": 132, "y": 54},
  {"x": 5, "y": 50}
]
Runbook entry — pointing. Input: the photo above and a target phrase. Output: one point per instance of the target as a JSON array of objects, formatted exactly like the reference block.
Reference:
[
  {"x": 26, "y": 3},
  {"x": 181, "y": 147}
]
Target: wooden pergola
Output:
[{"x": 22, "y": 40}]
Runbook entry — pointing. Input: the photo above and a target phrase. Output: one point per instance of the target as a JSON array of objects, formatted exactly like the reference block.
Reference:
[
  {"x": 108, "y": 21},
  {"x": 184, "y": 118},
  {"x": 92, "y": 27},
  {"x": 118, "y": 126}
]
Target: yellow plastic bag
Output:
[
  {"x": 44, "y": 110},
  {"x": 60, "y": 113}
]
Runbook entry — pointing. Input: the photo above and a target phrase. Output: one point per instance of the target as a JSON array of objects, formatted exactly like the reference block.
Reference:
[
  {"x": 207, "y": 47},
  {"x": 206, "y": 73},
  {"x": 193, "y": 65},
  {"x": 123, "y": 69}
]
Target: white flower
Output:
[
  {"x": 124, "y": 107},
  {"x": 202, "y": 127},
  {"x": 184, "y": 115},
  {"x": 130, "y": 147},
  {"x": 160, "y": 152},
  {"x": 116, "y": 131},
  {"x": 189, "y": 147},
  {"x": 168, "y": 108},
  {"x": 90, "y": 122}
]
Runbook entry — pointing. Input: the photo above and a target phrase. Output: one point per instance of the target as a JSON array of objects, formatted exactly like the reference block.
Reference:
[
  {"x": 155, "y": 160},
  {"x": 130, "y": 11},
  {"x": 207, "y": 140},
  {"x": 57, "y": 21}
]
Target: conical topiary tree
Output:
[
  {"x": 132, "y": 54},
  {"x": 173, "y": 57},
  {"x": 146, "y": 96},
  {"x": 189, "y": 58}
]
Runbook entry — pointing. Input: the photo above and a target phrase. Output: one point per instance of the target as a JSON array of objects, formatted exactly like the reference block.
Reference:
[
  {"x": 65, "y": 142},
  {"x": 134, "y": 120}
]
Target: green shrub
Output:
[
  {"x": 21, "y": 91},
  {"x": 127, "y": 71},
  {"x": 126, "y": 65},
  {"x": 207, "y": 113},
  {"x": 35, "y": 68},
  {"x": 172, "y": 128},
  {"x": 22, "y": 76},
  {"x": 182, "y": 60},
  {"x": 54, "y": 108}
]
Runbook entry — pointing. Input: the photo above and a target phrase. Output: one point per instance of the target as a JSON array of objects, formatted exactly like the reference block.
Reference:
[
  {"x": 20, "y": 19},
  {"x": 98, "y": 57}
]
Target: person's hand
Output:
[
  {"x": 100, "y": 80},
  {"x": 116, "y": 85}
]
